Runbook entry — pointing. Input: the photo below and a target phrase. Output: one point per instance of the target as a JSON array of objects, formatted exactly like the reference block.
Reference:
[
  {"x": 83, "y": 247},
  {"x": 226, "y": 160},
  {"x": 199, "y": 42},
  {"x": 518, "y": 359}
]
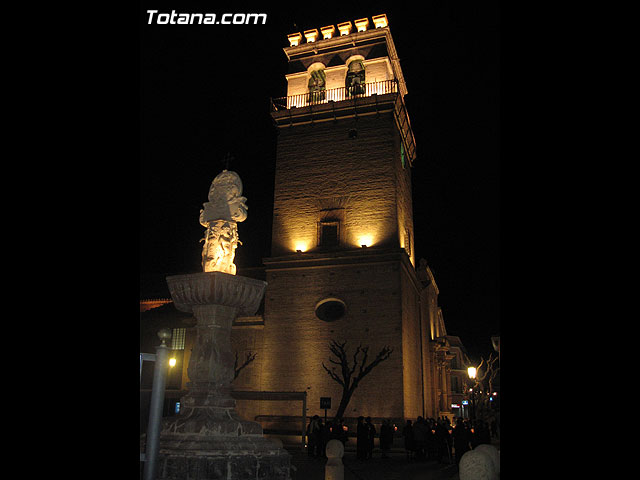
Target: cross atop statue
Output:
[{"x": 227, "y": 158}]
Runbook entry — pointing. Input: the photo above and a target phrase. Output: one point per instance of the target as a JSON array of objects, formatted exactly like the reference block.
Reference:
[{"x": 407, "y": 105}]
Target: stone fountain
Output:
[{"x": 207, "y": 440}]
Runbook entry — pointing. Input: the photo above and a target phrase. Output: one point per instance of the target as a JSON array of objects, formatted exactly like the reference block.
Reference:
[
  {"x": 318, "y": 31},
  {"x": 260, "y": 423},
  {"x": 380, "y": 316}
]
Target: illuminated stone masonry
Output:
[{"x": 342, "y": 264}]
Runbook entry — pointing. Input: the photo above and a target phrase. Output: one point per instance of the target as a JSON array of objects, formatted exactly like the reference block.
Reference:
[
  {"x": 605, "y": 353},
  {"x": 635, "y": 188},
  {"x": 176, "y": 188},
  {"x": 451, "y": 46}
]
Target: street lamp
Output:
[
  {"x": 471, "y": 371},
  {"x": 157, "y": 402}
]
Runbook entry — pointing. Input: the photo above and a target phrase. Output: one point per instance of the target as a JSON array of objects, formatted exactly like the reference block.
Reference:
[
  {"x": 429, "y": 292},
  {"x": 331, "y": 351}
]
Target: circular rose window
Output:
[{"x": 330, "y": 309}]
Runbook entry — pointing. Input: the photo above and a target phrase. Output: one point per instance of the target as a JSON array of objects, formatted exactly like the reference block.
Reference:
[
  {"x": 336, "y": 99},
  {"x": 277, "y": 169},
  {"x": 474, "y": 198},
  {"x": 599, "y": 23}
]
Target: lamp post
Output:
[
  {"x": 472, "y": 372},
  {"x": 157, "y": 401}
]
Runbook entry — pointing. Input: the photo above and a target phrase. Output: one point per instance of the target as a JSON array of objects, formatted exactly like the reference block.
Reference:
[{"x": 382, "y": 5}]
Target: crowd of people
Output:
[
  {"x": 443, "y": 441},
  {"x": 318, "y": 434},
  {"x": 424, "y": 439}
]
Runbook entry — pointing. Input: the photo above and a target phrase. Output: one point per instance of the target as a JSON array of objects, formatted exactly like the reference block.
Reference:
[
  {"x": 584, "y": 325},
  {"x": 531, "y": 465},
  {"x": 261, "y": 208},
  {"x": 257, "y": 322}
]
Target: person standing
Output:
[
  {"x": 441, "y": 439},
  {"x": 494, "y": 428},
  {"x": 338, "y": 431},
  {"x": 362, "y": 438},
  {"x": 460, "y": 440},
  {"x": 431, "y": 443},
  {"x": 325, "y": 434},
  {"x": 312, "y": 436},
  {"x": 407, "y": 433},
  {"x": 386, "y": 437},
  {"x": 420, "y": 436},
  {"x": 319, "y": 439},
  {"x": 371, "y": 433},
  {"x": 484, "y": 435}
]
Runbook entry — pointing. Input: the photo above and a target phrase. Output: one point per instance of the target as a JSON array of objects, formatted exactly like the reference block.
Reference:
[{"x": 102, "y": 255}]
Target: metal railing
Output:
[{"x": 335, "y": 95}]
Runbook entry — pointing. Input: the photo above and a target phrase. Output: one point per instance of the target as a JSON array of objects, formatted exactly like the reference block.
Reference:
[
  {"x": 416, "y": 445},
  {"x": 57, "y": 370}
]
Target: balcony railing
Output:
[{"x": 334, "y": 95}]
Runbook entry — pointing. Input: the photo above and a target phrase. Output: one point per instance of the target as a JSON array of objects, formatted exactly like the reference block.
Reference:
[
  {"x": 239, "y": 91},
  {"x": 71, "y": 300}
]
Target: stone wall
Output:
[
  {"x": 383, "y": 308},
  {"x": 296, "y": 342},
  {"x": 336, "y": 170},
  {"x": 348, "y": 171},
  {"x": 411, "y": 348}
]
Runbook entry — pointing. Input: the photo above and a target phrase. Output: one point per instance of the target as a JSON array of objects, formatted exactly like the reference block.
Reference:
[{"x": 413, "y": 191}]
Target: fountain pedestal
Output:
[{"x": 208, "y": 440}]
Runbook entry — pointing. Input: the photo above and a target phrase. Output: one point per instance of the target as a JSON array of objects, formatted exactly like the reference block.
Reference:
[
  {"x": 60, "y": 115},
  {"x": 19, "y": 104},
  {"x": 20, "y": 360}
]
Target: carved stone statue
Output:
[
  {"x": 208, "y": 439},
  {"x": 219, "y": 216}
]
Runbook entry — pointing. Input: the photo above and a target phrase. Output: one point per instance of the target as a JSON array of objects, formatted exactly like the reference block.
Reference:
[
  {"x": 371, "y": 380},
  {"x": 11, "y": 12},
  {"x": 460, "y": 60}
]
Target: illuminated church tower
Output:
[
  {"x": 342, "y": 264},
  {"x": 345, "y": 146}
]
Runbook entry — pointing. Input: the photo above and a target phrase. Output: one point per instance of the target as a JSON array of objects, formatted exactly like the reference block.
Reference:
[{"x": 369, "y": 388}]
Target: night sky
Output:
[{"x": 205, "y": 90}]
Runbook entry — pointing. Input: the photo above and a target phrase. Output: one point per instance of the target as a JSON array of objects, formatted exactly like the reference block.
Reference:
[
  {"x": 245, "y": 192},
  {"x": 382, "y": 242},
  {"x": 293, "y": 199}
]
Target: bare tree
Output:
[
  {"x": 237, "y": 369},
  {"x": 491, "y": 372},
  {"x": 483, "y": 383},
  {"x": 349, "y": 376}
]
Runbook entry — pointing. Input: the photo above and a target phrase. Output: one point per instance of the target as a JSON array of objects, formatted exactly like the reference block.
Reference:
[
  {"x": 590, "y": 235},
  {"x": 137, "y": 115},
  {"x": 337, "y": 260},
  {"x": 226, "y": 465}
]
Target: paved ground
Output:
[{"x": 397, "y": 467}]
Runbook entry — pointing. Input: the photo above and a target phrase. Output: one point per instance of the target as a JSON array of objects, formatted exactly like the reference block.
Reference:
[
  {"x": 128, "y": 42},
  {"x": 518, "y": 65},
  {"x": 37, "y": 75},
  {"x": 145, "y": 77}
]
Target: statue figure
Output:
[{"x": 219, "y": 216}]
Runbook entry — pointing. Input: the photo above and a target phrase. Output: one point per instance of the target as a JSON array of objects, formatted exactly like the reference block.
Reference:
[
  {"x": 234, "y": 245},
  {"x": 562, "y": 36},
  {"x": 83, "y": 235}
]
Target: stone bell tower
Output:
[
  {"x": 345, "y": 146},
  {"x": 342, "y": 264}
]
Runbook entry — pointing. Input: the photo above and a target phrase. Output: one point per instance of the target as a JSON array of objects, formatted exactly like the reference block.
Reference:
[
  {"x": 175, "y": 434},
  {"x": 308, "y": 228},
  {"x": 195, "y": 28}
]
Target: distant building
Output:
[{"x": 459, "y": 377}]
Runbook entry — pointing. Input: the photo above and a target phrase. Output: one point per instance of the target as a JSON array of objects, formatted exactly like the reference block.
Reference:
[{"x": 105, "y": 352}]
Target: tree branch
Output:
[
  {"x": 365, "y": 355},
  {"x": 236, "y": 370},
  {"x": 479, "y": 376},
  {"x": 339, "y": 351},
  {"x": 355, "y": 360},
  {"x": 381, "y": 357},
  {"x": 347, "y": 381},
  {"x": 333, "y": 375}
]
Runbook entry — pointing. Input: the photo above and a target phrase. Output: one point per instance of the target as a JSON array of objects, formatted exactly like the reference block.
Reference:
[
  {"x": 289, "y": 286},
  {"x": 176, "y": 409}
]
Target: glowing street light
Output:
[
  {"x": 172, "y": 362},
  {"x": 471, "y": 371}
]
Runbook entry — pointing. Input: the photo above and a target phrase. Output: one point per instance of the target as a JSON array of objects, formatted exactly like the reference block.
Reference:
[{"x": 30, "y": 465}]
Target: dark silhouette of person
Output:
[
  {"x": 420, "y": 437},
  {"x": 330, "y": 427},
  {"x": 386, "y": 437},
  {"x": 484, "y": 435},
  {"x": 494, "y": 428},
  {"x": 319, "y": 439},
  {"x": 449, "y": 427},
  {"x": 460, "y": 440},
  {"x": 337, "y": 431},
  {"x": 326, "y": 436},
  {"x": 362, "y": 438},
  {"x": 371, "y": 433},
  {"x": 441, "y": 440},
  {"x": 409, "y": 443},
  {"x": 312, "y": 436}
]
